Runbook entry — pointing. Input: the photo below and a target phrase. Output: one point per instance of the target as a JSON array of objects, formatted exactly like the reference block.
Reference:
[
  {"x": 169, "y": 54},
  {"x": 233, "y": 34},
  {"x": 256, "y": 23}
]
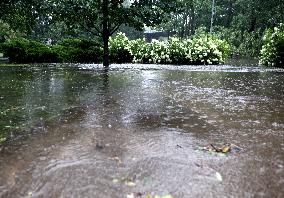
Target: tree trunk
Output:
[
  {"x": 106, "y": 32},
  {"x": 192, "y": 26},
  {"x": 106, "y": 50}
]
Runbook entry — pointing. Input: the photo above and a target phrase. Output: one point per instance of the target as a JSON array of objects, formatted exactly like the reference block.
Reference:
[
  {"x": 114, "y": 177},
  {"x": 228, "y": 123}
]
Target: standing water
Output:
[{"x": 136, "y": 130}]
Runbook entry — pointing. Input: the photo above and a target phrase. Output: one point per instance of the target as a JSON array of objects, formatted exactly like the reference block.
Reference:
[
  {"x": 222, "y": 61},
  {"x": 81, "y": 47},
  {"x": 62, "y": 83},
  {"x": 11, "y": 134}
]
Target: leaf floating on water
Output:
[
  {"x": 226, "y": 149},
  {"x": 165, "y": 196},
  {"x": 117, "y": 159},
  {"x": 130, "y": 195},
  {"x": 221, "y": 150},
  {"x": 130, "y": 183},
  {"x": 219, "y": 176}
]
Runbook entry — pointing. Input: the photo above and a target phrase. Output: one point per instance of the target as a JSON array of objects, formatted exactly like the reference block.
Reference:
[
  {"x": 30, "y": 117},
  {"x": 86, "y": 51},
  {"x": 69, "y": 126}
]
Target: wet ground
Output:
[{"x": 83, "y": 132}]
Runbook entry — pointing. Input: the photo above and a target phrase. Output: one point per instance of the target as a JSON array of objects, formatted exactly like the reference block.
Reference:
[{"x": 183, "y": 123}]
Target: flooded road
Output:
[{"x": 137, "y": 130}]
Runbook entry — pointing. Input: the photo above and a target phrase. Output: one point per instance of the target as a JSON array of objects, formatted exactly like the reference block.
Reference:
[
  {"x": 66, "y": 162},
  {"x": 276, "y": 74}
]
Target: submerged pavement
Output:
[{"x": 136, "y": 131}]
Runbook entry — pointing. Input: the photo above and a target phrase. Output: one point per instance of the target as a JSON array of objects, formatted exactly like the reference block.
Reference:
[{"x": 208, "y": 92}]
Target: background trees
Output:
[
  {"x": 102, "y": 18},
  {"x": 240, "y": 22}
]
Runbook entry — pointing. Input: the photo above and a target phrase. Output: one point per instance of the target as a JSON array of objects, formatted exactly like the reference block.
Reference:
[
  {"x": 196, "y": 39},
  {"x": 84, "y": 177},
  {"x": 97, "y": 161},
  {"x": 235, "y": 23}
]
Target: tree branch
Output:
[
  {"x": 115, "y": 28},
  {"x": 98, "y": 33}
]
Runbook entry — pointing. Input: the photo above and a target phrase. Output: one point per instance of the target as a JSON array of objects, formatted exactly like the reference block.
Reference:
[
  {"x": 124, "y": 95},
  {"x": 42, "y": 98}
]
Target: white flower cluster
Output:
[
  {"x": 207, "y": 50},
  {"x": 198, "y": 50},
  {"x": 119, "y": 42},
  {"x": 270, "y": 54}
]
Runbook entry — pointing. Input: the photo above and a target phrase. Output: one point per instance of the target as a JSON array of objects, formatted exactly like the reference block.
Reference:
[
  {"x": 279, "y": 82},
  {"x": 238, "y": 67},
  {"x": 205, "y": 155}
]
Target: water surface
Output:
[{"x": 80, "y": 131}]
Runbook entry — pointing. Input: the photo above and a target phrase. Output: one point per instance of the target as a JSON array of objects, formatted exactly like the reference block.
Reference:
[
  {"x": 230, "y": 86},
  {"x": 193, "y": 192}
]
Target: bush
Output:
[
  {"x": 207, "y": 49},
  {"x": 137, "y": 49},
  {"x": 78, "y": 51},
  {"x": 67, "y": 50},
  {"x": 118, "y": 49},
  {"x": 201, "y": 49},
  {"x": 272, "y": 52},
  {"x": 155, "y": 52},
  {"x": 178, "y": 50},
  {"x": 25, "y": 51}
]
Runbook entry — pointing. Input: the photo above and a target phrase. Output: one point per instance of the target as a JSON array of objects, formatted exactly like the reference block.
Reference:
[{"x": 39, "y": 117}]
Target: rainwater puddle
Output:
[{"x": 81, "y": 131}]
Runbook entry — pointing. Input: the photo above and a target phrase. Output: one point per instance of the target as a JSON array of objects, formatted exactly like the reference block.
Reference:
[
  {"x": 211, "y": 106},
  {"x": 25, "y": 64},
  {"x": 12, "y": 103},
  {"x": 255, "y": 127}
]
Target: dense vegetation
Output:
[
  {"x": 241, "y": 23},
  {"x": 202, "y": 49},
  {"x": 272, "y": 52},
  {"x": 25, "y": 51},
  {"x": 67, "y": 50}
]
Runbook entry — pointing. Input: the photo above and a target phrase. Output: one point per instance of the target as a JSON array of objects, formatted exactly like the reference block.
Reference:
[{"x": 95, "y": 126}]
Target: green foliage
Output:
[
  {"x": 240, "y": 22},
  {"x": 25, "y": 51},
  {"x": 244, "y": 44},
  {"x": 6, "y": 32},
  {"x": 178, "y": 49},
  {"x": 68, "y": 50},
  {"x": 272, "y": 52},
  {"x": 201, "y": 49},
  {"x": 78, "y": 51}
]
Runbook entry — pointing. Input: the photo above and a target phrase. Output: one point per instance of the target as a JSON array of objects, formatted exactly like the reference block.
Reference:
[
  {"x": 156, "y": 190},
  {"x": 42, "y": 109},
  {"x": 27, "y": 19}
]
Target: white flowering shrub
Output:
[
  {"x": 203, "y": 49},
  {"x": 157, "y": 52},
  {"x": 272, "y": 52},
  {"x": 207, "y": 50},
  {"x": 138, "y": 50},
  {"x": 118, "y": 49},
  {"x": 179, "y": 50}
]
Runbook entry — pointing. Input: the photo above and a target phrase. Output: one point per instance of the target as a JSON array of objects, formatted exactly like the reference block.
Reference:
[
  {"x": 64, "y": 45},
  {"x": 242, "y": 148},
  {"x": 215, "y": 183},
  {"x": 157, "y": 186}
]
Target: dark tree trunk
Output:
[
  {"x": 106, "y": 32},
  {"x": 182, "y": 32},
  {"x": 192, "y": 26},
  {"x": 106, "y": 50}
]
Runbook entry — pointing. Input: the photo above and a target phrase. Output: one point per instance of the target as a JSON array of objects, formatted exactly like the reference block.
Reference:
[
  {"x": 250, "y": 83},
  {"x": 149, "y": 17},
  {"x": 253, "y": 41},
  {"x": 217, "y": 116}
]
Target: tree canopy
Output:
[{"x": 241, "y": 22}]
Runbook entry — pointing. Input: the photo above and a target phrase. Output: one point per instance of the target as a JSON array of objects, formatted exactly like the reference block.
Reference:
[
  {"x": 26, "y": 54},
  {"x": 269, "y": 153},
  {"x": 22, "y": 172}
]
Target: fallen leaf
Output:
[
  {"x": 147, "y": 196},
  {"x": 30, "y": 193},
  {"x": 226, "y": 149},
  {"x": 130, "y": 195},
  {"x": 219, "y": 176},
  {"x": 117, "y": 159},
  {"x": 130, "y": 183},
  {"x": 165, "y": 196},
  {"x": 115, "y": 181}
]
